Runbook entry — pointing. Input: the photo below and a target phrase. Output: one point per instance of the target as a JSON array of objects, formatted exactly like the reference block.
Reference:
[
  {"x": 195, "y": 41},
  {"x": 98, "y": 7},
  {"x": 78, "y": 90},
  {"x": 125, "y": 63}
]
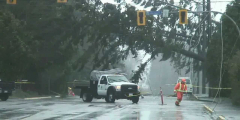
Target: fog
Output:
[
  {"x": 161, "y": 74},
  {"x": 157, "y": 74}
]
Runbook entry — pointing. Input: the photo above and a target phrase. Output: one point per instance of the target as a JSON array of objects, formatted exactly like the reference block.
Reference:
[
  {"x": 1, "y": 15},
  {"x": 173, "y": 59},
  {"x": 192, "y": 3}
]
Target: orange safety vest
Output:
[{"x": 179, "y": 89}]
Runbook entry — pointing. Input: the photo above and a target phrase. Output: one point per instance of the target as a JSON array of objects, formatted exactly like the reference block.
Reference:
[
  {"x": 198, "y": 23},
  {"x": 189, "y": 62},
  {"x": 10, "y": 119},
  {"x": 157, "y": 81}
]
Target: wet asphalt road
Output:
[{"x": 73, "y": 108}]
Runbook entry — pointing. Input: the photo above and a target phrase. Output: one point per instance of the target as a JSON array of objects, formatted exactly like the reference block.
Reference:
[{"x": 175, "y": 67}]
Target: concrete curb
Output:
[
  {"x": 221, "y": 118},
  {"x": 196, "y": 97},
  {"x": 35, "y": 98},
  {"x": 211, "y": 111},
  {"x": 208, "y": 109}
]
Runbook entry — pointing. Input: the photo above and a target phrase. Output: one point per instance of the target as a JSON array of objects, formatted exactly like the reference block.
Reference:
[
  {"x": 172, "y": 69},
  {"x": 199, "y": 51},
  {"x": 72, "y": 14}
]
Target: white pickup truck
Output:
[{"x": 111, "y": 87}]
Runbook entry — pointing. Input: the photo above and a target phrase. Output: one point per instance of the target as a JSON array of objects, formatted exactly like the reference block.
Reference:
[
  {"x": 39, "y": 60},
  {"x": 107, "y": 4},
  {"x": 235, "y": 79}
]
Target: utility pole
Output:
[
  {"x": 209, "y": 24},
  {"x": 200, "y": 8},
  {"x": 204, "y": 51},
  {"x": 209, "y": 20}
]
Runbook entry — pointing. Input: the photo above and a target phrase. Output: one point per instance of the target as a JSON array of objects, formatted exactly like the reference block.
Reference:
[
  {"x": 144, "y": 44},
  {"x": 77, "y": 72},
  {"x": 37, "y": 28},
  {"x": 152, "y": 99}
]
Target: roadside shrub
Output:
[{"x": 234, "y": 74}]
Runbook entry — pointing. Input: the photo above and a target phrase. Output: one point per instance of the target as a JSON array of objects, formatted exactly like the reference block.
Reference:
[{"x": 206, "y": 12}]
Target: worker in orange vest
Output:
[
  {"x": 70, "y": 92},
  {"x": 179, "y": 89}
]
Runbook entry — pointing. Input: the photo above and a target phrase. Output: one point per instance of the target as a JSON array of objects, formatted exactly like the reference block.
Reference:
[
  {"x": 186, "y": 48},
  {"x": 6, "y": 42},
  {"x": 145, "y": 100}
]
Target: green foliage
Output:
[
  {"x": 230, "y": 61},
  {"x": 234, "y": 71},
  {"x": 47, "y": 39},
  {"x": 138, "y": 73},
  {"x": 13, "y": 47}
]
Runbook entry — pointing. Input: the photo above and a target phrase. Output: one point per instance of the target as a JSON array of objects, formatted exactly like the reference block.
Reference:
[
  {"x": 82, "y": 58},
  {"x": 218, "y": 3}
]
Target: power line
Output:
[
  {"x": 220, "y": 81},
  {"x": 208, "y": 2},
  {"x": 220, "y": 1},
  {"x": 222, "y": 73},
  {"x": 197, "y": 28}
]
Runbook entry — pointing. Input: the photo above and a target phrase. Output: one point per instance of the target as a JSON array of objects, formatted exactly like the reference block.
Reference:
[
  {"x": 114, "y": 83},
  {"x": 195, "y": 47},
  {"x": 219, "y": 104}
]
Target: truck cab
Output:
[
  {"x": 116, "y": 86},
  {"x": 6, "y": 89},
  {"x": 111, "y": 87}
]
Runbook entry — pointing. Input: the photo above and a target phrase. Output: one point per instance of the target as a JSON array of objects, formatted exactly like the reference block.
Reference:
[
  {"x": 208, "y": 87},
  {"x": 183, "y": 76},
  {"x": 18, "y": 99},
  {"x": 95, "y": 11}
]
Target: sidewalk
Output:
[
  {"x": 203, "y": 97},
  {"x": 222, "y": 107},
  {"x": 30, "y": 95}
]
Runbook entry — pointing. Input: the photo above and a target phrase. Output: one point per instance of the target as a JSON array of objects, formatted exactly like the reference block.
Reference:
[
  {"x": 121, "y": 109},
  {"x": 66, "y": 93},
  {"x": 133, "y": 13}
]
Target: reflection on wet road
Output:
[{"x": 73, "y": 108}]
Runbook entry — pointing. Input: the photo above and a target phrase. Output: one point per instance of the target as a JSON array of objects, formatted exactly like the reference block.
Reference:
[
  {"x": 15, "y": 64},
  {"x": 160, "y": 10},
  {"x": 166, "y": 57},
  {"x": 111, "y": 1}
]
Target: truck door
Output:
[{"x": 102, "y": 86}]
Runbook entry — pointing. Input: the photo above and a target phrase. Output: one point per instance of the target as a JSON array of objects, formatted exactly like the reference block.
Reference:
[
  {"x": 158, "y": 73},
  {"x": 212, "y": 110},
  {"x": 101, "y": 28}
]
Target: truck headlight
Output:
[{"x": 118, "y": 87}]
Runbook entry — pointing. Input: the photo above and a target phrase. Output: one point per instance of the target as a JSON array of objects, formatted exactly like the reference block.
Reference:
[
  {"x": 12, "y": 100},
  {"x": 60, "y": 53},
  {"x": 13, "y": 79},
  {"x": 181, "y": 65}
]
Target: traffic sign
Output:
[
  {"x": 11, "y": 1},
  {"x": 165, "y": 12},
  {"x": 154, "y": 12},
  {"x": 61, "y": 1}
]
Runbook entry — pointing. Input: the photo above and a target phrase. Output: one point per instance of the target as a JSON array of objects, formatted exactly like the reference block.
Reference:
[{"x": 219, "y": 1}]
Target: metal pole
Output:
[
  {"x": 48, "y": 86},
  {"x": 209, "y": 20},
  {"x": 209, "y": 29},
  {"x": 203, "y": 51},
  {"x": 198, "y": 64},
  {"x": 161, "y": 95}
]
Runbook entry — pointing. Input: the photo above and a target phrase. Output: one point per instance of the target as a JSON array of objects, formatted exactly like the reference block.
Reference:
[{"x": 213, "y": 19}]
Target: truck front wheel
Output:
[
  {"x": 110, "y": 97},
  {"x": 4, "y": 97},
  {"x": 135, "y": 99},
  {"x": 87, "y": 97}
]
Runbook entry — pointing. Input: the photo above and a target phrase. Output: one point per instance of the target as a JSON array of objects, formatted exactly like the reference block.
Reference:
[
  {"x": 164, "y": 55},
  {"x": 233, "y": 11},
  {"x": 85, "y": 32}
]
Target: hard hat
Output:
[{"x": 183, "y": 80}]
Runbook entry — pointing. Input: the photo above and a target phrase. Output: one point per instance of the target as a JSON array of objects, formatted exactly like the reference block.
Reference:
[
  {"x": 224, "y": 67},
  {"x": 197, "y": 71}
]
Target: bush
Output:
[{"x": 234, "y": 71}]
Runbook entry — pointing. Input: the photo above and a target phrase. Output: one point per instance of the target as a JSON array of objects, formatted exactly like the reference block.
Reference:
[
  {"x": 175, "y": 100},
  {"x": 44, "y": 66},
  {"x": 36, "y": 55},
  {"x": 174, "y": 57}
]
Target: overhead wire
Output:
[
  {"x": 221, "y": 69},
  {"x": 197, "y": 28},
  {"x": 198, "y": 40},
  {"x": 221, "y": 74},
  {"x": 220, "y": 1},
  {"x": 221, "y": 65},
  {"x": 231, "y": 52},
  {"x": 207, "y": 2}
]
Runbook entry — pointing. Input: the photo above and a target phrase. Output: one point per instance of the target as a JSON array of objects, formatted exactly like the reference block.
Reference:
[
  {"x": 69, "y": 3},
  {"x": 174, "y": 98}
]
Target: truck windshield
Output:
[
  {"x": 187, "y": 81},
  {"x": 112, "y": 79}
]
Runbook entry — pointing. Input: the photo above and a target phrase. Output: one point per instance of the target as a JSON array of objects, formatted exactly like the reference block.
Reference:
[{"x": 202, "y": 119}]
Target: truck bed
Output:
[{"x": 79, "y": 84}]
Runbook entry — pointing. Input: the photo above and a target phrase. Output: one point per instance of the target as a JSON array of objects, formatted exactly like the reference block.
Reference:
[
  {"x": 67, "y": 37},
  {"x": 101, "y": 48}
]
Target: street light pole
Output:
[
  {"x": 209, "y": 25},
  {"x": 204, "y": 50}
]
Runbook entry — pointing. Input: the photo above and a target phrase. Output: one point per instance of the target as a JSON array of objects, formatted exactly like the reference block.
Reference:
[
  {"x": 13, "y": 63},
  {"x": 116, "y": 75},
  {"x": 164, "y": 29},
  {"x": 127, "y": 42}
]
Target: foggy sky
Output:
[{"x": 162, "y": 73}]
